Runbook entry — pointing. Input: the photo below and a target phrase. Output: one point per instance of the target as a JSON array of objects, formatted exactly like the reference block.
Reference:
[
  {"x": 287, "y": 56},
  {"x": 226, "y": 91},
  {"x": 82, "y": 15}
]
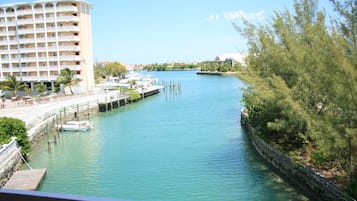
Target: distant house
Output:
[{"x": 235, "y": 57}]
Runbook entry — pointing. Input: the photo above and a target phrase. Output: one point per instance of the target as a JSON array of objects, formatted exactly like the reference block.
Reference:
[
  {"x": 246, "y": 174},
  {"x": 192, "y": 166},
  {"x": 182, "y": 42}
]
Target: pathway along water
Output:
[{"x": 187, "y": 146}]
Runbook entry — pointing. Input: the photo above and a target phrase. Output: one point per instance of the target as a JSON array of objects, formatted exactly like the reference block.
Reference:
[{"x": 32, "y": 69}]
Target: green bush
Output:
[
  {"x": 10, "y": 127},
  {"x": 134, "y": 95}
]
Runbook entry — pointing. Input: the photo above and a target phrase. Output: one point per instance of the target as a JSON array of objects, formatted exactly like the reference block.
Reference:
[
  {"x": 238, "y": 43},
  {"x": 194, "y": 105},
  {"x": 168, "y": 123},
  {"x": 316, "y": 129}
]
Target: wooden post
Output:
[
  {"x": 61, "y": 121},
  {"x": 64, "y": 113},
  {"x": 106, "y": 104},
  {"x": 88, "y": 110},
  {"x": 111, "y": 102},
  {"x": 77, "y": 111}
]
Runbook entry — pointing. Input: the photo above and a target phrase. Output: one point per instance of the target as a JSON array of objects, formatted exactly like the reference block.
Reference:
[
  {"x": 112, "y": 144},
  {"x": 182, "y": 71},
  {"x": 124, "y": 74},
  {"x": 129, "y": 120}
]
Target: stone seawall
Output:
[
  {"x": 9, "y": 159},
  {"x": 312, "y": 183}
]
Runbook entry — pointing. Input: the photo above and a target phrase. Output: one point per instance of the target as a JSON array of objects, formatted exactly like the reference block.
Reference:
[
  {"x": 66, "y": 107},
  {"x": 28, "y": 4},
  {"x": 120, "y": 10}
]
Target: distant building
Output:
[
  {"x": 235, "y": 57},
  {"x": 39, "y": 38}
]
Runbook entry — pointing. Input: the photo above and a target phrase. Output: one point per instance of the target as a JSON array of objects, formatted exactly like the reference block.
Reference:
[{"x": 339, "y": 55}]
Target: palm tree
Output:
[
  {"x": 67, "y": 78},
  {"x": 13, "y": 85},
  {"x": 40, "y": 88}
]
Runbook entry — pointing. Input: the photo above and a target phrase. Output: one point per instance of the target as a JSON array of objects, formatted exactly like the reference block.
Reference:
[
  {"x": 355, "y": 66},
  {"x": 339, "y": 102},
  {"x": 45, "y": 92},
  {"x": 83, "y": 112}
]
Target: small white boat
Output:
[{"x": 75, "y": 126}]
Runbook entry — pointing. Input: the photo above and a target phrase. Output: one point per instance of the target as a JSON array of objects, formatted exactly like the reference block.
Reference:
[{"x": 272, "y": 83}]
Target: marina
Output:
[{"x": 143, "y": 152}]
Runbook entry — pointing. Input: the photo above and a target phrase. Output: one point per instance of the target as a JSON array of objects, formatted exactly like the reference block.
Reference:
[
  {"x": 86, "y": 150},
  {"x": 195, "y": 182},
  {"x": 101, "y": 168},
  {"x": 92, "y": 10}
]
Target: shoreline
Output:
[
  {"x": 40, "y": 119},
  {"x": 216, "y": 73},
  {"x": 315, "y": 185}
]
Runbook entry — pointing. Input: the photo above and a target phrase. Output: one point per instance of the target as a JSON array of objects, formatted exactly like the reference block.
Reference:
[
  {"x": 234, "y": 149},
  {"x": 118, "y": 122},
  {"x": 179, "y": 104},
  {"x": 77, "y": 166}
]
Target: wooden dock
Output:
[{"x": 26, "y": 179}]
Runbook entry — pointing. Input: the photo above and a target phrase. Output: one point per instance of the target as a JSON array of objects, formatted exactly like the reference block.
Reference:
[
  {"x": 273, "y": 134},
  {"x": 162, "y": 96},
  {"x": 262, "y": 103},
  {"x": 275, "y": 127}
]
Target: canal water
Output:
[{"x": 177, "y": 145}]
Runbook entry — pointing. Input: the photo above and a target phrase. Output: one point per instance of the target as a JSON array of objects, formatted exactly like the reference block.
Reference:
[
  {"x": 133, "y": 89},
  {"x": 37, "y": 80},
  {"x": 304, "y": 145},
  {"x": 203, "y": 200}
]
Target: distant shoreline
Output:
[{"x": 215, "y": 73}]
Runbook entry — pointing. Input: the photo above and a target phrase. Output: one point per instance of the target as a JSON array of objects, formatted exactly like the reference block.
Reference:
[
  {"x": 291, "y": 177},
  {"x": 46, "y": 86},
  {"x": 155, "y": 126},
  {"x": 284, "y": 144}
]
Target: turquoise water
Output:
[{"x": 171, "y": 146}]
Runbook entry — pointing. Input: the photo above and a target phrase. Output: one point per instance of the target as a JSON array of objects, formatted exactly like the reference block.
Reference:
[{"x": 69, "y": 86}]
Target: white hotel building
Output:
[{"x": 39, "y": 38}]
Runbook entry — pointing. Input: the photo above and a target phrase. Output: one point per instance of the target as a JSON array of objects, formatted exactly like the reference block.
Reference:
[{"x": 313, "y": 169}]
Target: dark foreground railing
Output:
[{"x": 17, "y": 195}]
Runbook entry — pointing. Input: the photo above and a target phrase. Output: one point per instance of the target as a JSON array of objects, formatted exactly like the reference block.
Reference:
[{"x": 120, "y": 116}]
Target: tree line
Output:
[
  {"x": 227, "y": 65},
  {"x": 302, "y": 86},
  {"x": 103, "y": 72}
]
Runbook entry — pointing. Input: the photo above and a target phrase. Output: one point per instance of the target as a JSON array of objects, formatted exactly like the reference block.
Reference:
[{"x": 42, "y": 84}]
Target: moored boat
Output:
[{"x": 75, "y": 126}]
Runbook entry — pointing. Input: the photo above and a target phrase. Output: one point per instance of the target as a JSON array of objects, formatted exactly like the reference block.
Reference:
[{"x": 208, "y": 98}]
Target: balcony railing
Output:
[
  {"x": 69, "y": 48},
  {"x": 26, "y": 31},
  {"x": 40, "y": 68},
  {"x": 67, "y": 9},
  {"x": 67, "y": 19},
  {"x": 25, "y": 21},
  {"x": 17, "y": 195},
  {"x": 27, "y": 40},
  {"x": 27, "y": 50},
  {"x": 11, "y": 23},
  {"x": 24, "y": 12},
  {"x": 68, "y": 38},
  {"x": 67, "y": 28},
  {"x": 70, "y": 58},
  {"x": 12, "y": 51}
]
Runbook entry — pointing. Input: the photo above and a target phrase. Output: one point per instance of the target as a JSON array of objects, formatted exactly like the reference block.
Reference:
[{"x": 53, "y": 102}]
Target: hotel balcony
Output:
[
  {"x": 23, "y": 12},
  {"x": 3, "y": 33},
  {"x": 68, "y": 38},
  {"x": 12, "y": 51},
  {"x": 40, "y": 68},
  {"x": 11, "y": 42},
  {"x": 68, "y": 28},
  {"x": 63, "y": 19},
  {"x": 26, "y": 41},
  {"x": 69, "y": 48},
  {"x": 25, "y": 31},
  {"x": 67, "y": 9},
  {"x": 27, "y": 50},
  {"x": 70, "y": 58},
  {"x": 10, "y": 23},
  {"x": 25, "y": 21}
]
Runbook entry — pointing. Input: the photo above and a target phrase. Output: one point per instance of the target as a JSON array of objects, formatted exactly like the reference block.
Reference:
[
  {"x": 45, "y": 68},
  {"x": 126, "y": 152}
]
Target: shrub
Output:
[{"x": 10, "y": 127}]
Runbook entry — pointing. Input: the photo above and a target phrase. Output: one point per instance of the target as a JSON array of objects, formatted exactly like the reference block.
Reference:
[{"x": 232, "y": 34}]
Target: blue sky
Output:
[
  {"x": 138, "y": 31},
  {"x": 150, "y": 31}
]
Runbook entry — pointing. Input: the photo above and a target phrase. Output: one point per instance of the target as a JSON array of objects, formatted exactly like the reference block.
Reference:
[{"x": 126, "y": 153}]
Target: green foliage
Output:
[
  {"x": 10, "y": 127},
  {"x": 12, "y": 84},
  {"x": 219, "y": 66},
  {"x": 104, "y": 71},
  {"x": 67, "y": 78},
  {"x": 115, "y": 69},
  {"x": 133, "y": 94},
  {"x": 169, "y": 66},
  {"x": 303, "y": 84},
  {"x": 40, "y": 88},
  {"x": 277, "y": 118},
  {"x": 27, "y": 90}
]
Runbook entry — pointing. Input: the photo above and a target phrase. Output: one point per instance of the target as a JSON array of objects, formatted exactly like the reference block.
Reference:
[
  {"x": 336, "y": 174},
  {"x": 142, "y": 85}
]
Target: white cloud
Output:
[
  {"x": 234, "y": 15},
  {"x": 242, "y": 14},
  {"x": 213, "y": 17}
]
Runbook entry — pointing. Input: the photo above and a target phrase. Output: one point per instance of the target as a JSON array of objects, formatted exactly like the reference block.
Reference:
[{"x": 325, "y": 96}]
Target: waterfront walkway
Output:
[{"x": 32, "y": 114}]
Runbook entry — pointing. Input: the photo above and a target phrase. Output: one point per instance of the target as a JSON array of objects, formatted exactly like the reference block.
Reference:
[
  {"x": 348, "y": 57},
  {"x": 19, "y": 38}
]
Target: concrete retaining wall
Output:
[
  {"x": 312, "y": 183},
  {"x": 9, "y": 158}
]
